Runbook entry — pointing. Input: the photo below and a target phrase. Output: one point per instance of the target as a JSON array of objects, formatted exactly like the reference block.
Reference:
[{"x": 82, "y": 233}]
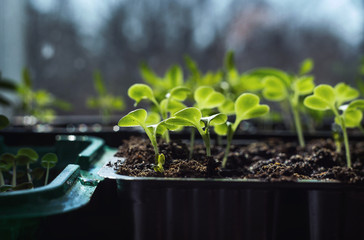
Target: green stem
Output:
[
  {"x": 28, "y": 173},
  {"x": 13, "y": 182},
  {"x": 230, "y": 134},
  {"x": 345, "y": 136},
  {"x": 2, "y": 182},
  {"x": 346, "y": 143},
  {"x": 297, "y": 121},
  {"x": 192, "y": 142},
  {"x": 206, "y": 140},
  {"x": 46, "y": 177}
]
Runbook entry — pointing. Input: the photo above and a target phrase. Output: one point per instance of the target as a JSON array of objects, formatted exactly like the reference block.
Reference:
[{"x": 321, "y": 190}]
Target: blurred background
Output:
[{"x": 63, "y": 42}]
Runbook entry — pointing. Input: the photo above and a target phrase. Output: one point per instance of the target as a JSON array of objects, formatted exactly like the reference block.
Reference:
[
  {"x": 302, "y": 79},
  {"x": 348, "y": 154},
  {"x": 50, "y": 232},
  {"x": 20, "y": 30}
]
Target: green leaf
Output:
[
  {"x": 215, "y": 119},
  {"x": 174, "y": 76},
  {"x": 345, "y": 93},
  {"x": 306, "y": 66},
  {"x": 304, "y": 85},
  {"x": 4, "y": 122},
  {"x": 99, "y": 83},
  {"x": 160, "y": 162},
  {"x": 227, "y": 107},
  {"x": 211, "y": 78},
  {"x": 251, "y": 82},
  {"x": 152, "y": 118},
  {"x": 22, "y": 160},
  {"x": 26, "y": 78},
  {"x": 8, "y": 158},
  {"x": 206, "y": 97},
  {"x": 316, "y": 103},
  {"x": 173, "y": 105},
  {"x": 272, "y": 72},
  {"x": 179, "y": 93},
  {"x": 49, "y": 160},
  {"x": 186, "y": 117},
  {"x": 137, "y": 117},
  {"x": 33, "y": 155},
  {"x": 4, "y": 166},
  {"x": 139, "y": 92},
  {"x": 247, "y": 106},
  {"x": 353, "y": 118},
  {"x": 274, "y": 89},
  {"x": 221, "y": 129},
  {"x": 148, "y": 75},
  {"x": 229, "y": 60},
  {"x": 357, "y": 104},
  {"x": 326, "y": 93}
]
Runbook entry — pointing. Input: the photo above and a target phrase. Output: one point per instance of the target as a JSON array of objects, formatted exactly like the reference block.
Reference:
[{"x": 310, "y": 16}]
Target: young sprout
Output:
[
  {"x": 325, "y": 97},
  {"x": 38, "y": 103},
  {"x": 161, "y": 85},
  {"x": 105, "y": 102},
  {"x": 28, "y": 156},
  {"x": 193, "y": 117},
  {"x": 279, "y": 86},
  {"x": 246, "y": 107},
  {"x": 139, "y": 117},
  {"x": 49, "y": 160},
  {"x": 169, "y": 105},
  {"x": 10, "y": 159},
  {"x": 4, "y": 167}
]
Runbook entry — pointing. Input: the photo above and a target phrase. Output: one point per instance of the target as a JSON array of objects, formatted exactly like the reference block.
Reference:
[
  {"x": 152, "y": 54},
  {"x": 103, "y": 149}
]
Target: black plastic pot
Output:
[{"x": 181, "y": 208}]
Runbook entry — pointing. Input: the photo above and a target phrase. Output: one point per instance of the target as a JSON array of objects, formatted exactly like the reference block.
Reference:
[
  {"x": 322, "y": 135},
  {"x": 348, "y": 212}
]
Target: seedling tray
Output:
[
  {"x": 71, "y": 188},
  {"x": 188, "y": 208}
]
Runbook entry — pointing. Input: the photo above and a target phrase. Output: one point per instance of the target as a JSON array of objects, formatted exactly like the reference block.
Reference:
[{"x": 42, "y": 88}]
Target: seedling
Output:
[
  {"x": 38, "y": 103},
  {"x": 4, "y": 167},
  {"x": 48, "y": 161},
  {"x": 246, "y": 107},
  {"x": 162, "y": 85},
  {"x": 280, "y": 86},
  {"x": 325, "y": 97},
  {"x": 10, "y": 159},
  {"x": 105, "y": 101},
  {"x": 169, "y": 105},
  {"x": 138, "y": 117},
  {"x": 28, "y": 156},
  {"x": 6, "y": 85},
  {"x": 197, "y": 79},
  {"x": 193, "y": 117}
]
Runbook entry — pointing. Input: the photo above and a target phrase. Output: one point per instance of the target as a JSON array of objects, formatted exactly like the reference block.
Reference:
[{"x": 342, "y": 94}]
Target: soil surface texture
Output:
[{"x": 269, "y": 160}]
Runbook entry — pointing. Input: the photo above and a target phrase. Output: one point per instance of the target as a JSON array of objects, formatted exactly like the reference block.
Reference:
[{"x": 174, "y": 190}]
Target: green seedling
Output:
[
  {"x": 162, "y": 85},
  {"x": 279, "y": 86},
  {"x": 29, "y": 156},
  {"x": 4, "y": 122},
  {"x": 105, "y": 101},
  {"x": 160, "y": 162},
  {"x": 10, "y": 159},
  {"x": 353, "y": 114},
  {"x": 325, "y": 97},
  {"x": 38, "y": 103},
  {"x": 169, "y": 105},
  {"x": 6, "y": 85},
  {"x": 48, "y": 161},
  {"x": 139, "y": 117},
  {"x": 197, "y": 79},
  {"x": 246, "y": 107},
  {"x": 193, "y": 117},
  {"x": 4, "y": 167}
]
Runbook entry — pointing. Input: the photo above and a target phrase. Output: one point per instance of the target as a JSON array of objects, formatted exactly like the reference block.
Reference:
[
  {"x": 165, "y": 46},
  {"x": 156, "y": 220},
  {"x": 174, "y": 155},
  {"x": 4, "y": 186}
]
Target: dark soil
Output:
[{"x": 270, "y": 160}]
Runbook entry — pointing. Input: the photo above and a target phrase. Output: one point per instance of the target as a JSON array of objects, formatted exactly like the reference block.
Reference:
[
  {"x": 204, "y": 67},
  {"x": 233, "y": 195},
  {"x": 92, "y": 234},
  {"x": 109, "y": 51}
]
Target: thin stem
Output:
[
  {"x": 13, "y": 182},
  {"x": 206, "y": 140},
  {"x": 46, "y": 177},
  {"x": 346, "y": 143},
  {"x": 2, "y": 182},
  {"x": 192, "y": 142},
  {"x": 297, "y": 121},
  {"x": 28, "y": 173},
  {"x": 230, "y": 134}
]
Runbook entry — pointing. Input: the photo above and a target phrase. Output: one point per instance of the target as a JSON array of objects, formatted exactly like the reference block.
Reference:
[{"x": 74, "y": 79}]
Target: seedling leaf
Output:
[
  {"x": 139, "y": 92},
  {"x": 49, "y": 160},
  {"x": 206, "y": 97},
  {"x": 304, "y": 85},
  {"x": 247, "y": 106},
  {"x": 134, "y": 118},
  {"x": 316, "y": 103},
  {"x": 274, "y": 89},
  {"x": 33, "y": 155},
  {"x": 306, "y": 66},
  {"x": 345, "y": 93}
]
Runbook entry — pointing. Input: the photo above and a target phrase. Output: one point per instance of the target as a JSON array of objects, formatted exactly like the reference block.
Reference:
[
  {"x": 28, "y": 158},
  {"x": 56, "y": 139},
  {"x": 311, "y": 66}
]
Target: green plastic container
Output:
[{"x": 75, "y": 180}]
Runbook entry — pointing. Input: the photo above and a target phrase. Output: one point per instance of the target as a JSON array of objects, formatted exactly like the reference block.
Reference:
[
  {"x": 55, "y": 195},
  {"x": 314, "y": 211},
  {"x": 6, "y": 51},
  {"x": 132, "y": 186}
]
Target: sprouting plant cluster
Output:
[
  {"x": 23, "y": 159},
  {"x": 223, "y": 99}
]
